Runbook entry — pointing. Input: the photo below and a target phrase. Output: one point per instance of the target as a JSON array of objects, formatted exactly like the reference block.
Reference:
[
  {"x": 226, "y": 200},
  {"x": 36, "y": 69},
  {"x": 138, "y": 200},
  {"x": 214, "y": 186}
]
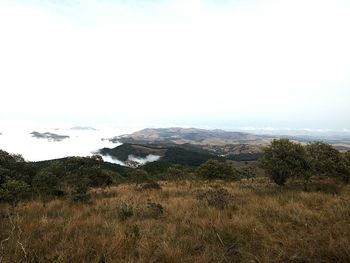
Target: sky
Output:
[{"x": 157, "y": 63}]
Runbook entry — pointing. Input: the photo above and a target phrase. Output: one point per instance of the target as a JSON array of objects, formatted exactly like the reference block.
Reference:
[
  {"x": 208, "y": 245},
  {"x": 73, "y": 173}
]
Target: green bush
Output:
[
  {"x": 45, "y": 183},
  {"x": 157, "y": 167},
  {"x": 327, "y": 161},
  {"x": 13, "y": 191},
  {"x": 284, "y": 159},
  {"x": 139, "y": 176},
  {"x": 213, "y": 169},
  {"x": 345, "y": 164},
  {"x": 246, "y": 173},
  {"x": 13, "y": 167},
  {"x": 175, "y": 173},
  {"x": 323, "y": 158}
]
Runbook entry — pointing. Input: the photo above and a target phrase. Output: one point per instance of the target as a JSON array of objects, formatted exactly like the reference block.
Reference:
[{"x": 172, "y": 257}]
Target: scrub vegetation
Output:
[{"x": 293, "y": 205}]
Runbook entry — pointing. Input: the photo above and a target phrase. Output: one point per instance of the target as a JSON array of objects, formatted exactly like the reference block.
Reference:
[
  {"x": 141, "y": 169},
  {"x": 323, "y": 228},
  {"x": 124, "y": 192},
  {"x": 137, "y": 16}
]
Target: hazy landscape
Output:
[
  {"x": 38, "y": 144},
  {"x": 175, "y": 195},
  {"x": 174, "y": 131}
]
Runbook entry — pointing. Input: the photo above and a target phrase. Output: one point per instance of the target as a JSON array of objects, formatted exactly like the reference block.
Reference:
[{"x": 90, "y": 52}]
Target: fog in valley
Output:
[{"x": 81, "y": 141}]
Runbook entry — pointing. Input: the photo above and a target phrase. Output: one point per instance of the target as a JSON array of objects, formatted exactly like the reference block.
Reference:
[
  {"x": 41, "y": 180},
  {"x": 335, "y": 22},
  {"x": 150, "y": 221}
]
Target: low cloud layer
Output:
[
  {"x": 80, "y": 142},
  {"x": 140, "y": 160}
]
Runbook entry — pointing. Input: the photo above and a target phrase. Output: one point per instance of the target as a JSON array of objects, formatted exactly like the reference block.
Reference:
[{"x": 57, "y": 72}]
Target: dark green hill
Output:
[
  {"x": 185, "y": 154},
  {"x": 123, "y": 151}
]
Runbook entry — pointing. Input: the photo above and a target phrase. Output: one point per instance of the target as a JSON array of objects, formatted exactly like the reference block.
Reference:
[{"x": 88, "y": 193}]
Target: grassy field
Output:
[{"x": 247, "y": 221}]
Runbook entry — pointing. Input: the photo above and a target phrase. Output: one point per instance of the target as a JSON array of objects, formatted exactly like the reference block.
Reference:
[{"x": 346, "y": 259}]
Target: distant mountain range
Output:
[
  {"x": 188, "y": 146},
  {"x": 221, "y": 137},
  {"x": 198, "y": 145},
  {"x": 190, "y": 136}
]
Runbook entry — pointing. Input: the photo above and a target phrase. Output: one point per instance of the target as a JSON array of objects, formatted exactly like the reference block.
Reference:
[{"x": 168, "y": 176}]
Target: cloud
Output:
[
  {"x": 107, "y": 60},
  {"x": 149, "y": 158}
]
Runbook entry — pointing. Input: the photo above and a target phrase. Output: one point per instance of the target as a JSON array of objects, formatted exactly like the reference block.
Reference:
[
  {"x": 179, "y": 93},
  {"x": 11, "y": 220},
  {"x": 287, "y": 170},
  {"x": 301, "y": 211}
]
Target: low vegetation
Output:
[
  {"x": 285, "y": 159},
  {"x": 200, "y": 221},
  {"x": 292, "y": 206}
]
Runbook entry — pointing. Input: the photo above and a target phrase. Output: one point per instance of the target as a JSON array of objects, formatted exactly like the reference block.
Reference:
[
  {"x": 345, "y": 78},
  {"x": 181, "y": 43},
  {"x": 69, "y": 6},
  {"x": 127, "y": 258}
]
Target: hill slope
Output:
[
  {"x": 176, "y": 154},
  {"x": 188, "y": 135}
]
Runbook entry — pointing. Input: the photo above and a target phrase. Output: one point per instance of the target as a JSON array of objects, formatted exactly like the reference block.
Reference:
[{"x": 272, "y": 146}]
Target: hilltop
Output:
[
  {"x": 226, "y": 143},
  {"x": 190, "y": 136},
  {"x": 189, "y": 146}
]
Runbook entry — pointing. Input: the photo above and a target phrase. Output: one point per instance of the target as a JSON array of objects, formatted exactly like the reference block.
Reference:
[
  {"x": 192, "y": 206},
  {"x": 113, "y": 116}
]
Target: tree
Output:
[
  {"x": 175, "y": 172},
  {"x": 323, "y": 158},
  {"x": 346, "y": 166},
  {"x": 45, "y": 183},
  {"x": 13, "y": 191},
  {"x": 327, "y": 161},
  {"x": 15, "y": 177},
  {"x": 102, "y": 179},
  {"x": 157, "y": 167},
  {"x": 139, "y": 176},
  {"x": 16, "y": 168},
  {"x": 4, "y": 175},
  {"x": 214, "y": 169},
  {"x": 284, "y": 159}
]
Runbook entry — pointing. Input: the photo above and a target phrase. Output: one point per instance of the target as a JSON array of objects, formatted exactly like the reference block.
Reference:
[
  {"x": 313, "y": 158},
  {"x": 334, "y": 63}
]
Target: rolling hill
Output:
[{"x": 189, "y": 136}]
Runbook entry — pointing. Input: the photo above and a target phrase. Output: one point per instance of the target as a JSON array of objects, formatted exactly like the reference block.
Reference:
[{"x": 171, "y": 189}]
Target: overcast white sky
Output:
[{"x": 206, "y": 63}]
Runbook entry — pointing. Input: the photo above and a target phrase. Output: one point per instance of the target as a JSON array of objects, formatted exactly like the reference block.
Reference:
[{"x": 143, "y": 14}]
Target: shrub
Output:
[
  {"x": 102, "y": 179},
  {"x": 139, "y": 176},
  {"x": 125, "y": 211},
  {"x": 5, "y": 175},
  {"x": 133, "y": 232},
  {"x": 175, "y": 173},
  {"x": 151, "y": 210},
  {"x": 80, "y": 197},
  {"x": 13, "y": 167},
  {"x": 214, "y": 169},
  {"x": 218, "y": 198},
  {"x": 326, "y": 161},
  {"x": 246, "y": 173},
  {"x": 45, "y": 183},
  {"x": 345, "y": 167},
  {"x": 156, "y": 167},
  {"x": 284, "y": 159},
  {"x": 328, "y": 187},
  {"x": 152, "y": 185},
  {"x": 323, "y": 158},
  {"x": 13, "y": 191}
]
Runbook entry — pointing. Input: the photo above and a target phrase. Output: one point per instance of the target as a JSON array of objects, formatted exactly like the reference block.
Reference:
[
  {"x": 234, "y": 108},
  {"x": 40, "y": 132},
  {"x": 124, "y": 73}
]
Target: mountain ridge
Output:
[{"x": 179, "y": 135}]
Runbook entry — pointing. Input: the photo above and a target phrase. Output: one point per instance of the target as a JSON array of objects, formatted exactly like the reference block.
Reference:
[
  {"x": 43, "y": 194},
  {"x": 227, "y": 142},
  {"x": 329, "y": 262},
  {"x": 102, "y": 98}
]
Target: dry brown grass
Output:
[{"x": 260, "y": 224}]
